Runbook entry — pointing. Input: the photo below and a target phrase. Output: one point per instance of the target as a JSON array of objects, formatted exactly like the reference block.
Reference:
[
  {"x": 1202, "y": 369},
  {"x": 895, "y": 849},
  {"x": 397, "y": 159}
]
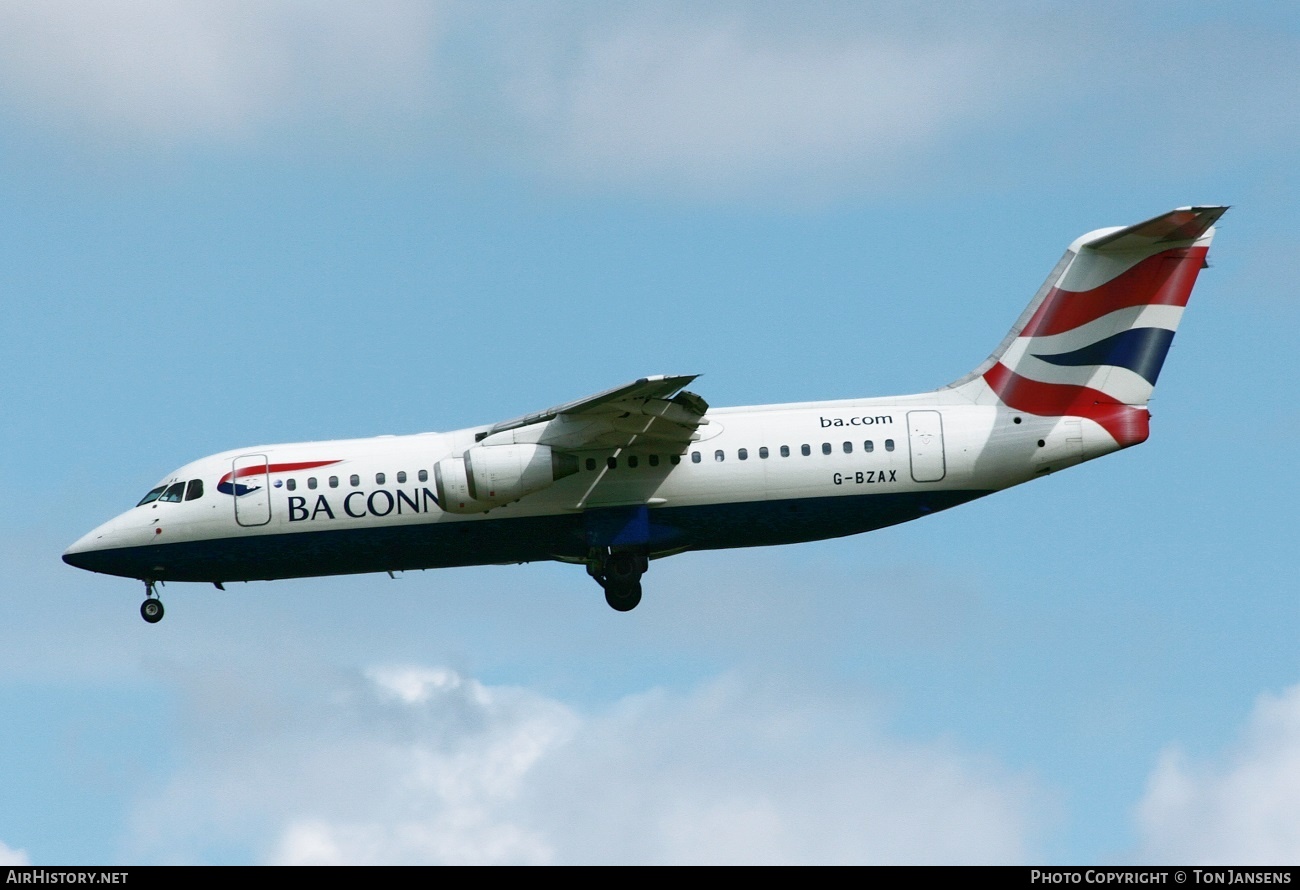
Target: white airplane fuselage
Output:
[
  {"x": 648, "y": 470},
  {"x": 817, "y": 480}
]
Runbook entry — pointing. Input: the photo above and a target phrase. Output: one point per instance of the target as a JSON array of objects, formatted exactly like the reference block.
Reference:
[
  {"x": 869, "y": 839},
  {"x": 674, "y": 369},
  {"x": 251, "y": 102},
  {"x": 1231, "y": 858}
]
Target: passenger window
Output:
[
  {"x": 743, "y": 454},
  {"x": 152, "y": 495},
  {"x": 174, "y": 493},
  {"x": 291, "y": 484},
  {"x": 868, "y": 446},
  {"x": 334, "y": 482},
  {"x": 355, "y": 480},
  {"x": 719, "y": 456},
  {"x": 311, "y": 482},
  {"x": 195, "y": 490},
  {"x": 762, "y": 452},
  {"x": 401, "y": 476},
  {"x": 676, "y": 459},
  {"x": 632, "y": 462},
  {"x": 826, "y": 448},
  {"x": 379, "y": 478},
  {"x": 785, "y": 450},
  {"x": 695, "y": 457},
  {"x": 805, "y": 450},
  {"x": 889, "y": 444},
  {"x": 591, "y": 463},
  {"x": 848, "y": 447},
  {"x": 611, "y": 462},
  {"x": 424, "y": 475},
  {"x": 654, "y": 460}
]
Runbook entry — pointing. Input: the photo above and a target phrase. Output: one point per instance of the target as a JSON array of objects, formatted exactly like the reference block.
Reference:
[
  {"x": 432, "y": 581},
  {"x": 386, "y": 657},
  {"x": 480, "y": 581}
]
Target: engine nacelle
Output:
[
  {"x": 453, "y": 487},
  {"x": 488, "y": 476}
]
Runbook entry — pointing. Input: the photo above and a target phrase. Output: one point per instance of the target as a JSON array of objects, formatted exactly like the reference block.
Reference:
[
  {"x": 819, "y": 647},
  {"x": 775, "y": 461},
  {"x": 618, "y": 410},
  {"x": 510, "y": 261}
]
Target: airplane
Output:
[{"x": 648, "y": 469}]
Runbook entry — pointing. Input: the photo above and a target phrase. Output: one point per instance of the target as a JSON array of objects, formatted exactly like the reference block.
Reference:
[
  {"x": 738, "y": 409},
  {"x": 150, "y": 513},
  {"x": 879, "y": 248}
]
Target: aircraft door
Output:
[
  {"x": 925, "y": 439},
  {"x": 251, "y": 480}
]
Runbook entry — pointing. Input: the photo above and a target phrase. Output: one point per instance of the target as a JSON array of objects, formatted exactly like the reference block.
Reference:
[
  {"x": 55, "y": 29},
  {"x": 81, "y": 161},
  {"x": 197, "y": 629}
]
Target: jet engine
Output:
[{"x": 488, "y": 476}]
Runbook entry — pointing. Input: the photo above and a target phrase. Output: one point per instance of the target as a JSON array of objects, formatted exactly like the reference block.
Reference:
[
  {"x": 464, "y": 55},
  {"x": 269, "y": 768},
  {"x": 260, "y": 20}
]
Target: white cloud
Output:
[
  {"x": 1240, "y": 811},
  {"x": 417, "y": 765},
  {"x": 10, "y": 856},
  {"x": 665, "y": 98},
  {"x": 711, "y": 105},
  {"x": 166, "y": 71},
  {"x": 668, "y": 99}
]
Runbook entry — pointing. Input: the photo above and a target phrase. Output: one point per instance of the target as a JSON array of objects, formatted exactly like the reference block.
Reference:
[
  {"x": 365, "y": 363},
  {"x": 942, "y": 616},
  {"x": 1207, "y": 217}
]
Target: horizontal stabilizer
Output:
[{"x": 1183, "y": 224}]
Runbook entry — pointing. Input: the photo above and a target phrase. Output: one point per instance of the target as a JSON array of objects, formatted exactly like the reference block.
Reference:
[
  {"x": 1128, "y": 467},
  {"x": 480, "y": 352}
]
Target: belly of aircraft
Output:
[{"x": 567, "y": 536}]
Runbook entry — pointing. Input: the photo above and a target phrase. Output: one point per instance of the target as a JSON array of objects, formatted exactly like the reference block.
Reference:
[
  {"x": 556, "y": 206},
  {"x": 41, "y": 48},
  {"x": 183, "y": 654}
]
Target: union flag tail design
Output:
[{"x": 1092, "y": 341}]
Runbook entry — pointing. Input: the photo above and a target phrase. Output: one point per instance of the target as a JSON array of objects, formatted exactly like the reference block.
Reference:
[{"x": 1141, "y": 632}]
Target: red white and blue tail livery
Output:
[
  {"x": 1092, "y": 342},
  {"x": 646, "y": 470}
]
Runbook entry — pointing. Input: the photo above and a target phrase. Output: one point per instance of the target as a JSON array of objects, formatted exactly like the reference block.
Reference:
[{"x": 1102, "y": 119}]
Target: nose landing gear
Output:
[
  {"x": 619, "y": 572},
  {"x": 151, "y": 609}
]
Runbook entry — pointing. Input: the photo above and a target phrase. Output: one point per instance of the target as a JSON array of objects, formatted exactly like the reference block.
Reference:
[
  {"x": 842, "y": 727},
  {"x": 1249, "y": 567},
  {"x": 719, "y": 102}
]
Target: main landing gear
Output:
[
  {"x": 619, "y": 572},
  {"x": 151, "y": 609}
]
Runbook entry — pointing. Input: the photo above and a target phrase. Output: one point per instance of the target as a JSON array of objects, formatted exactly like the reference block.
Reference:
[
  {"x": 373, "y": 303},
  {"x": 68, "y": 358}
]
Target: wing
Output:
[{"x": 649, "y": 411}]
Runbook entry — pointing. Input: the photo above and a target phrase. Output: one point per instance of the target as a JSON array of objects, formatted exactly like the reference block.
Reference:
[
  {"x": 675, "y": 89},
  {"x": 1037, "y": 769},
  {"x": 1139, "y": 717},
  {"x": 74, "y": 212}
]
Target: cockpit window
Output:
[
  {"x": 152, "y": 495},
  {"x": 173, "y": 493},
  {"x": 194, "y": 490}
]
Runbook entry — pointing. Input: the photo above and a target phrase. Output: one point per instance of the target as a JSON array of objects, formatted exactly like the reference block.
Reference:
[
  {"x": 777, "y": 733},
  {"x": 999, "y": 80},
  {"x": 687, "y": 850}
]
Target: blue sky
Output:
[{"x": 227, "y": 224}]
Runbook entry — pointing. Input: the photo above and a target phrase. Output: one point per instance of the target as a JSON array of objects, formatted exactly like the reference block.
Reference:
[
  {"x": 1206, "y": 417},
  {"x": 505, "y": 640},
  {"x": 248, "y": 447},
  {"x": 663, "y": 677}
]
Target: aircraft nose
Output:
[
  {"x": 77, "y": 559},
  {"x": 81, "y": 554},
  {"x": 107, "y": 549}
]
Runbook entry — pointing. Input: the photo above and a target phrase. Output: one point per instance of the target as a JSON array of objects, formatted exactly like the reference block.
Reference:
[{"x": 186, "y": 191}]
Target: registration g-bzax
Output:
[{"x": 646, "y": 470}]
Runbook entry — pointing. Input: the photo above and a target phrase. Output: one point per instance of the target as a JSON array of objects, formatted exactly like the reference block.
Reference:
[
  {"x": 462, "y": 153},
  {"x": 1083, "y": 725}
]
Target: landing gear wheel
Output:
[
  {"x": 623, "y": 569},
  {"x": 619, "y": 573},
  {"x": 151, "y": 610},
  {"x": 623, "y": 597}
]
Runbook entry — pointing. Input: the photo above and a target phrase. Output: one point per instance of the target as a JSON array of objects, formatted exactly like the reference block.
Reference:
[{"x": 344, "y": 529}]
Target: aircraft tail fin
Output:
[{"x": 1092, "y": 341}]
